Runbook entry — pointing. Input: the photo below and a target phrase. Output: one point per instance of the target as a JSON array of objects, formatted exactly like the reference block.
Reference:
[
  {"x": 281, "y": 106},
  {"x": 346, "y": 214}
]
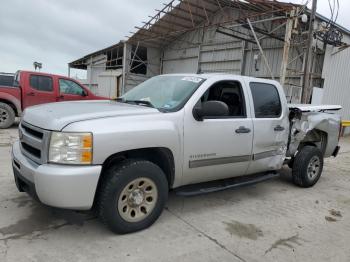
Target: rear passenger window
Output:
[
  {"x": 41, "y": 83},
  {"x": 267, "y": 103},
  {"x": 6, "y": 80}
]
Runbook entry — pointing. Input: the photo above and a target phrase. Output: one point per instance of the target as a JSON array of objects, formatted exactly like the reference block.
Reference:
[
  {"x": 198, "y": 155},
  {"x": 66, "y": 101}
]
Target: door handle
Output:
[
  {"x": 31, "y": 94},
  {"x": 279, "y": 128},
  {"x": 242, "y": 130},
  {"x": 60, "y": 97}
]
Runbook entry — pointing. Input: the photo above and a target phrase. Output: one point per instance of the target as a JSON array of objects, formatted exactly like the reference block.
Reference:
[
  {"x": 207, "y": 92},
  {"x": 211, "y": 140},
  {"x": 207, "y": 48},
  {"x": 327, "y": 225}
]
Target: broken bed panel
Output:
[{"x": 310, "y": 126}]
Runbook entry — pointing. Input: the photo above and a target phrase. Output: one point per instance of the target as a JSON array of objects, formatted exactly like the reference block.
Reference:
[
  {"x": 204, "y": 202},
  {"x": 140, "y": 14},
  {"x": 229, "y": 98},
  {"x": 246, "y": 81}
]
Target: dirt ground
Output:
[{"x": 270, "y": 221}]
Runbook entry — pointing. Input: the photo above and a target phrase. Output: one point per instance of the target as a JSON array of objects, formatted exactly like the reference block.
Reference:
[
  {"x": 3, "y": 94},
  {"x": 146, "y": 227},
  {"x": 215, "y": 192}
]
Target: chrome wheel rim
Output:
[
  {"x": 313, "y": 167},
  {"x": 3, "y": 115},
  {"x": 137, "y": 200}
]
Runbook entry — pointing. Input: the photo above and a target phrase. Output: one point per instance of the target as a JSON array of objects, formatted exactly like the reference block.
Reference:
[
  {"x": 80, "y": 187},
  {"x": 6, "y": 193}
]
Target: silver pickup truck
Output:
[{"x": 189, "y": 133}]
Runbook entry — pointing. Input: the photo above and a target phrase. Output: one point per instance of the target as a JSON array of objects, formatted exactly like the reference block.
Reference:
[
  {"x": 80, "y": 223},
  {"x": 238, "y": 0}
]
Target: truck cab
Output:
[{"x": 256, "y": 126}]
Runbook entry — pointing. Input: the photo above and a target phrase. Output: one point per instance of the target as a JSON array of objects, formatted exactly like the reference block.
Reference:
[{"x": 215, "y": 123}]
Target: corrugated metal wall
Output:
[
  {"x": 180, "y": 60},
  {"x": 221, "y": 57},
  {"x": 96, "y": 66},
  {"x": 207, "y": 51},
  {"x": 336, "y": 74}
]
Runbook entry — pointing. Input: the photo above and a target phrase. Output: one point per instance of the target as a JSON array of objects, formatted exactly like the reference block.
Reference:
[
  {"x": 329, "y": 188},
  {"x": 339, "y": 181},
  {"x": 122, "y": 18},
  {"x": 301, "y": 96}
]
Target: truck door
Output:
[
  {"x": 39, "y": 91},
  {"x": 221, "y": 147},
  {"x": 271, "y": 125},
  {"x": 70, "y": 90}
]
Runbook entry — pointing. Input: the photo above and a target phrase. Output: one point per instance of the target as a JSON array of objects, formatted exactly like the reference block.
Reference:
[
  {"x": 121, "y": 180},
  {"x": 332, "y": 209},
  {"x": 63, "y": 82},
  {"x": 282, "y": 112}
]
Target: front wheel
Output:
[
  {"x": 132, "y": 196},
  {"x": 7, "y": 116},
  {"x": 307, "y": 166}
]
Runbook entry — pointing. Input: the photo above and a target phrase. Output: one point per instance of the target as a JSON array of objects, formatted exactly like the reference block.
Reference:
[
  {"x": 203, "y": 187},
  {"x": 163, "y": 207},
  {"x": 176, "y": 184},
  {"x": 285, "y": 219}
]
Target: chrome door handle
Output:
[
  {"x": 242, "y": 130},
  {"x": 279, "y": 128}
]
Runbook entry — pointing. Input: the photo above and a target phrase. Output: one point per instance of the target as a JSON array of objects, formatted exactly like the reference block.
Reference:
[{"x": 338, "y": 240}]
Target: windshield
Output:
[{"x": 167, "y": 92}]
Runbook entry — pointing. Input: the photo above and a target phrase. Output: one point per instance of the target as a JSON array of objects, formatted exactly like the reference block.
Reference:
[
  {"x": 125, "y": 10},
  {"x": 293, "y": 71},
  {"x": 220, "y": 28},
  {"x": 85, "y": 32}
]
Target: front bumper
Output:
[{"x": 62, "y": 186}]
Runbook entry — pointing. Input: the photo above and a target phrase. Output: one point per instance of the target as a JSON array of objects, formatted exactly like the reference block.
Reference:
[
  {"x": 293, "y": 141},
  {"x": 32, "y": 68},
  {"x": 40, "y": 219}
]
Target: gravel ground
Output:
[{"x": 270, "y": 221}]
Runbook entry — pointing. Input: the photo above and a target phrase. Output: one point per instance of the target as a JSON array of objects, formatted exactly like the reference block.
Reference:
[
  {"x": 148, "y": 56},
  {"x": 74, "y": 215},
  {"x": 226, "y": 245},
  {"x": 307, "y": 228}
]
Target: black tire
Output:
[
  {"x": 7, "y": 116},
  {"x": 302, "y": 176},
  {"x": 114, "y": 183},
  {"x": 291, "y": 163}
]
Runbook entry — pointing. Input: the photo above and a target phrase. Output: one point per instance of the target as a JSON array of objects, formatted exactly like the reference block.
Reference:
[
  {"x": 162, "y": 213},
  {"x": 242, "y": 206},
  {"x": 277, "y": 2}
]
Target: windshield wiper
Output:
[
  {"x": 137, "y": 102},
  {"x": 140, "y": 102}
]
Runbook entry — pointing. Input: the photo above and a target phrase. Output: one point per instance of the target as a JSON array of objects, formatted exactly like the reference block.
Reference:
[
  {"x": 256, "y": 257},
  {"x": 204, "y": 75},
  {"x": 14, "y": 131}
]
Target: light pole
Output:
[{"x": 37, "y": 65}]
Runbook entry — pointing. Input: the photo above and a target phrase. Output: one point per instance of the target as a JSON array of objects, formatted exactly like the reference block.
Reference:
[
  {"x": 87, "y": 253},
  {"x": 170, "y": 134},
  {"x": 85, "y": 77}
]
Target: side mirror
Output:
[
  {"x": 210, "y": 109},
  {"x": 84, "y": 93}
]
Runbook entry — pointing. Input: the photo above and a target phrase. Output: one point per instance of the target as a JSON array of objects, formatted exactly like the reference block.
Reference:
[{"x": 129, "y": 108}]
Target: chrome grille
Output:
[{"x": 34, "y": 142}]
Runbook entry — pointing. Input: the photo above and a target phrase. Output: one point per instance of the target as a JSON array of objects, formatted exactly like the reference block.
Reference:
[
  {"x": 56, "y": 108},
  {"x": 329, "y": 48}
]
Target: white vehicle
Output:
[{"x": 178, "y": 132}]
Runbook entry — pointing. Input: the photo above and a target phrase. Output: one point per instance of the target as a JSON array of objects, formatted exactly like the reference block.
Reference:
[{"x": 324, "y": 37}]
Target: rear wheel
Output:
[
  {"x": 132, "y": 196},
  {"x": 307, "y": 166},
  {"x": 7, "y": 116}
]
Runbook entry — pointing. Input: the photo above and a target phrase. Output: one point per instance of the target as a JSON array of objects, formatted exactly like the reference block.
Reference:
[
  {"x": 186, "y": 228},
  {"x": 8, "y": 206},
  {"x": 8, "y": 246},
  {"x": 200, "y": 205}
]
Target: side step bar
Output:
[{"x": 219, "y": 185}]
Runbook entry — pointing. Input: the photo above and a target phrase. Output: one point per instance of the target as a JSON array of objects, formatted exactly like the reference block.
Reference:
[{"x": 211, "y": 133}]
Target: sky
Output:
[{"x": 56, "y": 32}]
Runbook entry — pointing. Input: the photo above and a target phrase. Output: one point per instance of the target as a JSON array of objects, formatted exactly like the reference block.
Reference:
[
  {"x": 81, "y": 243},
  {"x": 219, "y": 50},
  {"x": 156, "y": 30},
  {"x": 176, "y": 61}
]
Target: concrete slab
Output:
[{"x": 271, "y": 221}]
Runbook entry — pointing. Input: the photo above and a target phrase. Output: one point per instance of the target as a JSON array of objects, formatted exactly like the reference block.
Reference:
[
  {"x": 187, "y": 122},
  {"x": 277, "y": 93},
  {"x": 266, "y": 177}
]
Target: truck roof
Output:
[
  {"x": 223, "y": 75},
  {"x": 39, "y": 73}
]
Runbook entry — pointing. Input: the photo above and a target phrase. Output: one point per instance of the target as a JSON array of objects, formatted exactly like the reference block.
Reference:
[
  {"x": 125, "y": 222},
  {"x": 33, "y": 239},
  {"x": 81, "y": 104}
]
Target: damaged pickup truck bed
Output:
[{"x": 191, "y": 133}]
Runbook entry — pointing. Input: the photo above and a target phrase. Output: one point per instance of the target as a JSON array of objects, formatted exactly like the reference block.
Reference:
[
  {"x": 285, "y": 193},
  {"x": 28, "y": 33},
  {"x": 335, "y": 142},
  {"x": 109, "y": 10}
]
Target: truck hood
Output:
[{"x": 55, "y": 116}]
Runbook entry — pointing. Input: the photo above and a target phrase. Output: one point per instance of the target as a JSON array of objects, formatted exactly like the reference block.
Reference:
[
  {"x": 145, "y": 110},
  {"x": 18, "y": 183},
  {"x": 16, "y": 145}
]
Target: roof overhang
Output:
[
  {"x": 181, "y": 16},
  {"x": 81, "y": 63}
]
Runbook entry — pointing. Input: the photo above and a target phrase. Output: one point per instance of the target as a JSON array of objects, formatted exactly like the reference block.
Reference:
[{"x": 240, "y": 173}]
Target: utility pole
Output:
[
  {"x": 308, "y": 66},
  {"x": 286, "y": 47}
]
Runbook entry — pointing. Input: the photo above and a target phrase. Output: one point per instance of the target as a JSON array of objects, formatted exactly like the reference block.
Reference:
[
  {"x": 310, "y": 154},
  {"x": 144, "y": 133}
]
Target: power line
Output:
[
  {"x": 329, "y": 34},
  {"x": 336, "y": 17}
]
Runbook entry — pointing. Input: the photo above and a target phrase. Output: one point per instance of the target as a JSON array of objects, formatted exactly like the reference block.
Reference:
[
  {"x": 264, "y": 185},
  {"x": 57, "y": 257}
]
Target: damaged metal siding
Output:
[
  {"x": 309, "y": 121},
  {"x": 153, "y": 67}
]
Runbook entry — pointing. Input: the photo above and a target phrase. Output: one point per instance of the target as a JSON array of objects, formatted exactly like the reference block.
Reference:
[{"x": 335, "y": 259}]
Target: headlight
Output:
[{"x": 71, "y": 148}]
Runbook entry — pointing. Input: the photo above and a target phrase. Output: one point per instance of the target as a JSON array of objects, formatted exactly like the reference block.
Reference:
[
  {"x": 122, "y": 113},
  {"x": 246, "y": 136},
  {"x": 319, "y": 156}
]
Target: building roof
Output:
[
  {"x": 181, "y": 16},
  {"x": 81, "y": 62}
]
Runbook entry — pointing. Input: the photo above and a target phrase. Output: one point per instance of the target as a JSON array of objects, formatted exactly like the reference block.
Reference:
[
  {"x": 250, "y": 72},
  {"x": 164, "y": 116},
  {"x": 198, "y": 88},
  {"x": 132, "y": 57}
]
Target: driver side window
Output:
[
  {"x": 70, "y": 88},
  {"x": 230, "y": 93}
]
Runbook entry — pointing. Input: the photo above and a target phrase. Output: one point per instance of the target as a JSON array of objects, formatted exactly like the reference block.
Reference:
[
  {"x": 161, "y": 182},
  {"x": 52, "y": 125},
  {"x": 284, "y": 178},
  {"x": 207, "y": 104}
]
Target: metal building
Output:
[{"x": 259, "y": 38}]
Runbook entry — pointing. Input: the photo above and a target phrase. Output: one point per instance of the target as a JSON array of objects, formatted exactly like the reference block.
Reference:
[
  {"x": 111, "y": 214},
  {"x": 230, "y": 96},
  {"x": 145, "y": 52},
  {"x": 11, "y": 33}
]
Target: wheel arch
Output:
[
  {"x": 161, "y": 156},
  {"x": 13, "y": 105},
  {"x": 317, "y": 138}
]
